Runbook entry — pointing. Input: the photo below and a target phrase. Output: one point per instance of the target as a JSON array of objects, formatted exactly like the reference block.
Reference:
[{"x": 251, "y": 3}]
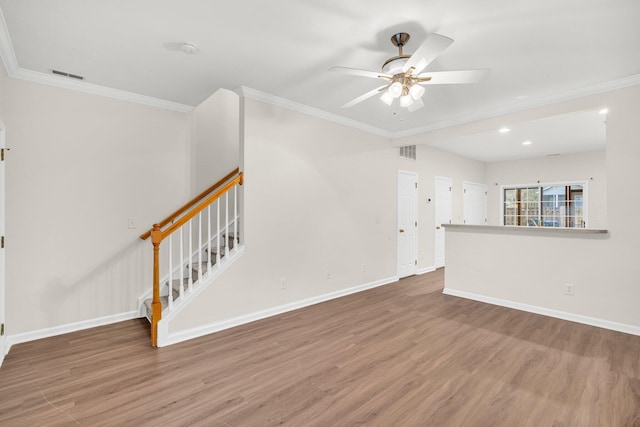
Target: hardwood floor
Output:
[{"x": 398, "y": 355}]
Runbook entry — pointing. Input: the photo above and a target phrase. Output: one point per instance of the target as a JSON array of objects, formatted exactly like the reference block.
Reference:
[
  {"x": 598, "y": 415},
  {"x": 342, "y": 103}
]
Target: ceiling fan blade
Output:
[
  {"x": 362, "y": 73},
  {"x": 429, "y": 50},
  {"x": 364, "y": 97},
  {"x": 454, "y": 77}
]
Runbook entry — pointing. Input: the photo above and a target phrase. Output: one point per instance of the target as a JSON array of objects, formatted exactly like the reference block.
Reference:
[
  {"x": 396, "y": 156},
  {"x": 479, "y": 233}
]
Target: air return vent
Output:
[
  {"x": 408, "y": 152},
  {"x": 65, "y": 74}
]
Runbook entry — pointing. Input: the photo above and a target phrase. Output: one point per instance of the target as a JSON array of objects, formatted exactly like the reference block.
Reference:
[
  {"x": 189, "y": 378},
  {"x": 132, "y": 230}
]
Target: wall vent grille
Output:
[
  {"x": 65, "y": 74},
  {"x": 408, "y": 152}
]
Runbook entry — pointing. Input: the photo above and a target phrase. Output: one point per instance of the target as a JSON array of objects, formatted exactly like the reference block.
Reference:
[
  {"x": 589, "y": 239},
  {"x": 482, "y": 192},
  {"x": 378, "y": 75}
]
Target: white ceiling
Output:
[
  {"x": 536, "y": 50},
  {"x": 570, "y": 133}
]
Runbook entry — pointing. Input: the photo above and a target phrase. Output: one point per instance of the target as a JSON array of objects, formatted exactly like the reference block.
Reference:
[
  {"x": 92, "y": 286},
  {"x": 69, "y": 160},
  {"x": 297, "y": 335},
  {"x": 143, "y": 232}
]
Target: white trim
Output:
[
  {"x": 257, "y": 95},
  {"x": 93, "y": 89},
  {"x": 69, "y": 327},
  {"x": 3, "y": 295},
  {"x": 7, "y": 54},
  {"x": 528, "y": 105},
  {"x": 252, "y": 317},
  {"x": 572, "y": 317},
  {"x": 425, "y": 270}
]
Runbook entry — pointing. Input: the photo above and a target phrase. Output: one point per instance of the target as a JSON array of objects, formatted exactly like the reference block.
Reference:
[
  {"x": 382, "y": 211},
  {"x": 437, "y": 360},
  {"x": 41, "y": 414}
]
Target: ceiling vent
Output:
[
  {"x": 408, "y": 152},
  {"x": 65, "y": 74}
]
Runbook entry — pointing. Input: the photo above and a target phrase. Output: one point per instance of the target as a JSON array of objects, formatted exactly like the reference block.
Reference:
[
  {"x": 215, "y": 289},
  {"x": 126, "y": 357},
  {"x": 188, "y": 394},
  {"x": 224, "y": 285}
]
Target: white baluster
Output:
[
  {"x": 210, "y": 260},
  {"x": 218, "y": 235},
  {"x": 235, "y": 217},
  {"x": 181, "y": 288},
  {"x": 200, "y": 246},
  {"x": 190, "y": 258},
  {"x": 170, "y": 297},
  {"x": 226, "y": 223}
]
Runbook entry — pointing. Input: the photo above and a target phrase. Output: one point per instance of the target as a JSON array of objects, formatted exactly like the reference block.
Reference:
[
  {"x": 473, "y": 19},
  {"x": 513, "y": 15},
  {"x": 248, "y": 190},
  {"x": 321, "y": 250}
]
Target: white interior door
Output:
[
  {"x": 474, "y": 203},
  {"x": 2, "y": 249},
  {"x": 443, "y": 215},
  {"x": 407, "y": 223}
]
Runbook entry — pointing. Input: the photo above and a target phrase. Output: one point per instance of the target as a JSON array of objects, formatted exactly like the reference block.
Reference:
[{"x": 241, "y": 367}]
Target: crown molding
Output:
[
  {"x": 7, "y": 55},
  {"x": 93, "y": 89},
  {"x": 10, "y": 62},
  {"x": 515, "y": 108},
  {"x": 257, "y": 95}
]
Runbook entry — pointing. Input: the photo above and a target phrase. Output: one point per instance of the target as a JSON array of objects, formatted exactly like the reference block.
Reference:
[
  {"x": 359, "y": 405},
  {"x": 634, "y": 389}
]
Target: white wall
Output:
[
  {"x": 80, "y": 166},
  {"x": 320, "y": 200},
  {"x": 589, "y": 166},
  {"x": 431, "y": 162},
  {"x": 531, "y": 269},
  {"x": 215, "y": 138}
]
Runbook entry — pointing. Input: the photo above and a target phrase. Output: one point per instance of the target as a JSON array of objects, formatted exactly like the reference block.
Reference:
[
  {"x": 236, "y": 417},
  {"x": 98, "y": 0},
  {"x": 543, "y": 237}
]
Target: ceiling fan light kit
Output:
[{"x": 403, "y": 73}]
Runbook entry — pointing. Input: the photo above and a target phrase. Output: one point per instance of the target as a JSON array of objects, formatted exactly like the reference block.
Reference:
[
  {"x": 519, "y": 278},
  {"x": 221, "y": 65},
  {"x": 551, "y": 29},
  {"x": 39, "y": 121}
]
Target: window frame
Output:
[{"x": 541, "y": 185}]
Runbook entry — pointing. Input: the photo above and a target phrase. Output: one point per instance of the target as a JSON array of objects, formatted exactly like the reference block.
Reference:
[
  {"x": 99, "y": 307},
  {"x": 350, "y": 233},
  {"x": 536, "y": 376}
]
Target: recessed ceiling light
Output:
[
  {"x": 189, "y": 48},
  {"x": 603, "y": 111},
  {"x": 527, "y": 143},
  {"x": 504, "y": 130}
]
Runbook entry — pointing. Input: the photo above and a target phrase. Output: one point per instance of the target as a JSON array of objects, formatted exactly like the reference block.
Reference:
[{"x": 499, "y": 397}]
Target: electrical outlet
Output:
[
  {"x": 328, "y": 276},
  {"x": 569, "y": 289},
  {"x": 283, "y": 283},
  {"x": 364, "y": 267},
  {"x": 131, "y": 223}
]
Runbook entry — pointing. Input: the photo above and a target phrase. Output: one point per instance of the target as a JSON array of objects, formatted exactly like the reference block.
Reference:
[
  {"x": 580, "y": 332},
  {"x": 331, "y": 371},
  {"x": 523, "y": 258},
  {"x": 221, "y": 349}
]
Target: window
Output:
[{"x": 545, "y": 205}]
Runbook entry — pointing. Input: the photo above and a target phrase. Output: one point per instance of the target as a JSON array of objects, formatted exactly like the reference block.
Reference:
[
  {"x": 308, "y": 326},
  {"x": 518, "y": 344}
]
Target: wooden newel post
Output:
[{"x": 156, "y": 306}]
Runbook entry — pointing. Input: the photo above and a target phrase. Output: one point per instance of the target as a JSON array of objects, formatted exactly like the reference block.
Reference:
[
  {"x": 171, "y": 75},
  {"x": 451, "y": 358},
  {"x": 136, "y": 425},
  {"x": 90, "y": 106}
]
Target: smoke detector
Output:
[{"x": 189, "y": 48}]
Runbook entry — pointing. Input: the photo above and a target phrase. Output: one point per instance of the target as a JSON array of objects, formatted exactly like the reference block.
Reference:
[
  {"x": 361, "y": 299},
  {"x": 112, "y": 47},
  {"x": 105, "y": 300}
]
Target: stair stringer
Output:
[{"x": 206, "y": 281}]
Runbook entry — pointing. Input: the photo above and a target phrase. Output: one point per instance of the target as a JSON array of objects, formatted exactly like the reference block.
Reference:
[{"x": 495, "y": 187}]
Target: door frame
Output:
[
  {"x": 437, "y": 225},
  {"x": 465, "y": 184},
  {"x": 415, "y": 207},
  {"x": 3, "y": 336}
]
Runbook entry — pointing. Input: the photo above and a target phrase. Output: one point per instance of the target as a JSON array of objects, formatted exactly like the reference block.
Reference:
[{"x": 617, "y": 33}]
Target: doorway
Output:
[
  {"x": 3, "y": 346},
  {"x": 474, "y": 203},
  {"x": 407, "y": 223},
  {"x": 443, "y": 215}
]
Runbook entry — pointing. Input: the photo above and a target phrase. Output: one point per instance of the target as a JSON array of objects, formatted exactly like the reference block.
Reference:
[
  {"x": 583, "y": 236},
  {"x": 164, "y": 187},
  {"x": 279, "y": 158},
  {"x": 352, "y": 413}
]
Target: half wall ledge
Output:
[{"x": 556, "y": 231}]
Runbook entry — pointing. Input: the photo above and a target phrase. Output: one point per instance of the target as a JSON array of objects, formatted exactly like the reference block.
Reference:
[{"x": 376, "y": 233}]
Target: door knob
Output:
[
  {"x": 438, "y": 228},
  {"x": 402, "y": 230}
]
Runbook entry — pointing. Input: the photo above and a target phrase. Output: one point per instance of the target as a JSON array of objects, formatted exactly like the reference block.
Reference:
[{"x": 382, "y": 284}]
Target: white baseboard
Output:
[
  {"x": 69, "y": 327},
  {"x": 425, "y": 270},
  {"x": 572, "y": 317},
  {"x": 252, "y": 317}
]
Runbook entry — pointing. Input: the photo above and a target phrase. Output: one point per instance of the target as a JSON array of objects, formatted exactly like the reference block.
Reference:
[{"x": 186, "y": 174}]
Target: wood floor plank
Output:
[{"x": 402, "y": 354}]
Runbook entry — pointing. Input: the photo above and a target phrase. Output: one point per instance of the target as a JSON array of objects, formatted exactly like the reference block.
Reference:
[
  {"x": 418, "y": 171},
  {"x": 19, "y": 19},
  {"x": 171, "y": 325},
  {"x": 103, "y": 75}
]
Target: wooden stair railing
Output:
[
  {"x": 178, "y": 219},
  {"x": 192, "y": 202}
]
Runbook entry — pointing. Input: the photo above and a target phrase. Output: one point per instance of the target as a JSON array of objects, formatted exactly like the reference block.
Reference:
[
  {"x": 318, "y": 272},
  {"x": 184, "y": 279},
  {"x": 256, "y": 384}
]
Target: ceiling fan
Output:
[{"x": 403, "y": 77}]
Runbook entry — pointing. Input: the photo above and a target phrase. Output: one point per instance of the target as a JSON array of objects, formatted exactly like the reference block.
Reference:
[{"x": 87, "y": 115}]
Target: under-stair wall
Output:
[{"x": 319, "y": 220}]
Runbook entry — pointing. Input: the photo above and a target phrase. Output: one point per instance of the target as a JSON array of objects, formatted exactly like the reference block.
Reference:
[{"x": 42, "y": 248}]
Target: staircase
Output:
[
  {"x": 199, "y": 242},
  {"x": 191, "y": 276}
]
